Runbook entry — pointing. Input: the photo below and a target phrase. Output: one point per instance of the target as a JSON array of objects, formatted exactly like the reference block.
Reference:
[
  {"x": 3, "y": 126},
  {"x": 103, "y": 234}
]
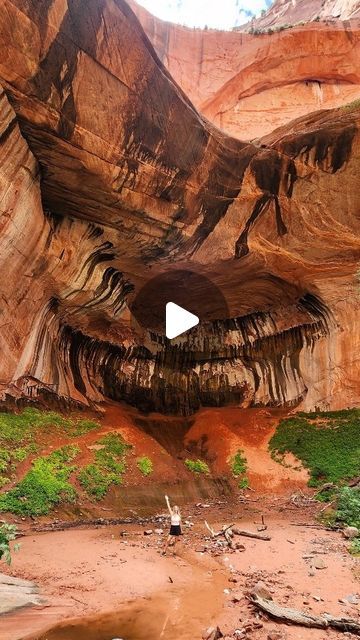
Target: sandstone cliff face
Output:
[
  {"x": 292, "y": 11},
  {"x": 250, "y": 84},
  {"x": 110, "y": 176}
]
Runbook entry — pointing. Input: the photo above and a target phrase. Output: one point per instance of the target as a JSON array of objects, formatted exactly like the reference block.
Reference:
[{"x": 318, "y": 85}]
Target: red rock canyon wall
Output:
[{"x": 110, "y": 175}]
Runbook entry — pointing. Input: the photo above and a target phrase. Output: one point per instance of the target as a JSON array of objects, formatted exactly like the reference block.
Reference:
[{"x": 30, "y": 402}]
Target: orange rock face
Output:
[
  {"x": 250, "y": 84},
  {"x": 109, "y": 176}
]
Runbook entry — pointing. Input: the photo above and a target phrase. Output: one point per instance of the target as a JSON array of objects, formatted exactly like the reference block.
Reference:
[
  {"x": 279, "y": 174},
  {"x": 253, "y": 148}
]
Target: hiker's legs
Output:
[
  {"x": 174, "y": 545},
  {"x": 167, "y": 544}
]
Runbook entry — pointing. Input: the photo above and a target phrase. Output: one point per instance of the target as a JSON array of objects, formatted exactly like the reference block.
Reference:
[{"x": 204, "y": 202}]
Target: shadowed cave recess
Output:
[{"x": 111, "y": 177}]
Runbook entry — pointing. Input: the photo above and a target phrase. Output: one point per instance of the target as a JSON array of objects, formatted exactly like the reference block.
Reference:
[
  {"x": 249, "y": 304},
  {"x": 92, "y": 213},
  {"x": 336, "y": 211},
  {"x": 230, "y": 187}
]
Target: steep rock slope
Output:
[
  {"x": 292, "y": 11},
  {"x": 248, "y": 84},
  {"x": 109, "y": 176}
]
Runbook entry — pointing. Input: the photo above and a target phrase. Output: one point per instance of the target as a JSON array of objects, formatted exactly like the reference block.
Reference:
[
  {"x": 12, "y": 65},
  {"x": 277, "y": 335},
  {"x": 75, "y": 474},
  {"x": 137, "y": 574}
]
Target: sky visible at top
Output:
[{"x": 216, "y": 14}]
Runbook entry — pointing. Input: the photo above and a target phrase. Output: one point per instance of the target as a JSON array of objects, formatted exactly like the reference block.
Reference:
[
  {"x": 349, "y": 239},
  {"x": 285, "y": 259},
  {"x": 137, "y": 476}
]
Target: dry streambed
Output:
[{"x": 119, "y": 586}]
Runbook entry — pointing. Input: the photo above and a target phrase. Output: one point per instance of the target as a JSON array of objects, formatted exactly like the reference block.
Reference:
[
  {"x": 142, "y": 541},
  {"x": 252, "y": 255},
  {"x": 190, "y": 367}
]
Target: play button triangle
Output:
[{"x": 178, "y": 320}]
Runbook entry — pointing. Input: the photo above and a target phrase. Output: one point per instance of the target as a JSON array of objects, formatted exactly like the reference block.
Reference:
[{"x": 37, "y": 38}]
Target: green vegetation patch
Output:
[
  {"x": 327, "y": 443},
  {"x": 348, "y": 510},
  {"x": 21, "y": 428},
  {"x": 107, "y": 469},
  {"x": 239, "y": 467},
  {"x": 44, "y": 486},
  {"x": 238, "y": 464},
  {"x": 355, "y": 104},
  {"x": 145, "y": 465},
  {"x": 244, "y": 483},
  {"x": 7, "y": 535},
  {"x": 19, "y": 434},
  {"x": 197, "y": 466}
]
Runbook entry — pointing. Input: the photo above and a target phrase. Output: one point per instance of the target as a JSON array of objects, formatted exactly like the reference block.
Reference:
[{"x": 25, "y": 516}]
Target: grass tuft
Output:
[
  {"x": 145, "y": 465},
  {"x": 107, "y": 469},
  {"x": 197, "y": 466},
  {"x": 238, "y": 464}
]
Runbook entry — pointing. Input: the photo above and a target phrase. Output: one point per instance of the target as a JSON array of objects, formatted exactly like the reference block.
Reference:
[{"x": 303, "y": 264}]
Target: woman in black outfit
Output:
[{"x": 175, "y": 526}]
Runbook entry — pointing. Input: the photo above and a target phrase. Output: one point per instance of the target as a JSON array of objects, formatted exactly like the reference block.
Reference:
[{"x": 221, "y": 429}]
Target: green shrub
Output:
[
  {"x": 348, "y": 510},
  {"x": 244, "y": 483},
  {"x": 355, "y": 547},
  {"x": 4, "y": 459},
  {"x": 197, "y": 466},
  {"x": 238, "y": 464},
  {"x": 7, "y": 535},
  {"x": 44, "y": 486},
  {"x": 108, "y": 467},
  {"x": 330, "y": 449},
  {"x": 96, "y": 482},
  {"x": 145, "y": 465},
  {"x": 20, "y": 454}
]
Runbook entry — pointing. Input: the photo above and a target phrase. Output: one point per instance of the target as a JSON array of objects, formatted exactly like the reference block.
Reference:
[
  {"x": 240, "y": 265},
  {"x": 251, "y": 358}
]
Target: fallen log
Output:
[
  {"x": 284, "y": 614},
  {"x": 228, "y": 531},
  {"x": 250, "y": 534},
  {"x": 343, "y": 624},
  {"x": 293, "y": 616}
]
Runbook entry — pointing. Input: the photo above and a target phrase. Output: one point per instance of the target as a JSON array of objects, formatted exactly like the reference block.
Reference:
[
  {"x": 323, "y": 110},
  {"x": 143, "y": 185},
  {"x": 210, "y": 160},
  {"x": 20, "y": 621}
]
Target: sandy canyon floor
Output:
[{"x": 111, "y": 581}]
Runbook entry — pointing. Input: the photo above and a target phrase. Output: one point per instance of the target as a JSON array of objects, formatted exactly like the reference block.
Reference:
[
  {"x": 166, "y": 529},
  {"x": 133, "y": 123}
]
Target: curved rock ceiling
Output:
[
  {"x": 248, "y": 85},
  {"x": 110, "y": 176}
]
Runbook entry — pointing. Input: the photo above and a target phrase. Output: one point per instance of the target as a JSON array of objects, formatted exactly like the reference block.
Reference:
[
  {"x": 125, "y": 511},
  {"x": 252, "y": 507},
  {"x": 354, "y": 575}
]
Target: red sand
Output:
[{"x": 90, "y": 571}]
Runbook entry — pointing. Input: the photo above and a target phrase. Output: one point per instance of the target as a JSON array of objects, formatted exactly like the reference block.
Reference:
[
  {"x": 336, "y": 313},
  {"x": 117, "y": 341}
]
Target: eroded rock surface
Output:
[
  {"x": 109, "y": 176},
  {"x": 16, "y": 594},
  {"x": 249, "y": 81}
]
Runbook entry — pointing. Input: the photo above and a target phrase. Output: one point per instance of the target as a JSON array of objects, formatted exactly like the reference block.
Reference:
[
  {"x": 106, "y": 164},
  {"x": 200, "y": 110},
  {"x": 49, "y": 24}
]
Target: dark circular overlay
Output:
[{"x": 190, "y": 290}]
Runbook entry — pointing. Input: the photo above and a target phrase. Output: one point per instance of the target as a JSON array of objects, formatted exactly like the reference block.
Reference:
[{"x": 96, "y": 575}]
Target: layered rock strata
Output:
[
  {"x": 263, "y": 75},
  {"x": 109, "y": 176}
]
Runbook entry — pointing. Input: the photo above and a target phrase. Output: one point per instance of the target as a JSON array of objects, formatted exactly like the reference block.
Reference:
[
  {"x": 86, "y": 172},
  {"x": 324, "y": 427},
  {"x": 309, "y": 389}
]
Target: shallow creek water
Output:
[{"x": 181, "y": 613}]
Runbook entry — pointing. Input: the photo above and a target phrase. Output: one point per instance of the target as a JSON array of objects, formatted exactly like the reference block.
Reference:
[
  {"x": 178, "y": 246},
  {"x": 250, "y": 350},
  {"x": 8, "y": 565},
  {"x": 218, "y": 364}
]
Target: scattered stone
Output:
[
  {"x": 275, "y": 635},
  {"x": 351, "y": 532},
  {"x": 212, "y": 633},
  {"x": 319, "y": 563},
  {"x": 261, "y": 589},
  {"x": 236, "y": 597},
  {"x": 352, "y": 599},
  {"x": 148, "y": 532},
  {"x": 159, "y": 532}
]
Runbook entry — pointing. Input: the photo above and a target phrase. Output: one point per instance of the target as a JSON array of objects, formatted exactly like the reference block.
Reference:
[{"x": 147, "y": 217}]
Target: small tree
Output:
[{"x": 7, "y": 535}]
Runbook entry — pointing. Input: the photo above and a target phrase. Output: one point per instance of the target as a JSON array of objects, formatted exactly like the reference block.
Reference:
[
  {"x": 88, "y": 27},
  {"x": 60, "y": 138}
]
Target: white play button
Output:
[{"x": 178, "y": 320}]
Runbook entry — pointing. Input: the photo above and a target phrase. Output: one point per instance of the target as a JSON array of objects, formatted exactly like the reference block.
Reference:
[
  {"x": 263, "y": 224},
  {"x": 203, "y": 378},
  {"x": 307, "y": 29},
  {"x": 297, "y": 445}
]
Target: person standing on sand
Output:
[{"x": 175, "y": 525}]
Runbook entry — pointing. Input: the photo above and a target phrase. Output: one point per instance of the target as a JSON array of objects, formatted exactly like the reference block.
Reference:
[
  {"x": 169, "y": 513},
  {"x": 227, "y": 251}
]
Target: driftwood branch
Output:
[
  {"x": 293, "y": 616},
  {"x": 228, "y": 531},
  {"x": 210, "y": 529},
  {"x": 250, "y": 534}
]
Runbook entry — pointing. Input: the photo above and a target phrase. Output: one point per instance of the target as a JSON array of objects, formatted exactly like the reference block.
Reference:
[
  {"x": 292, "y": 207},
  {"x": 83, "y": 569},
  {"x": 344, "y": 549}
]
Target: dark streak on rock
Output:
[
  {"x": 329, "y": 147},
  {"x": 6, "y": 133},
  {"x": 58, "y": 67},
  {"x": 241, "y": 246}
]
